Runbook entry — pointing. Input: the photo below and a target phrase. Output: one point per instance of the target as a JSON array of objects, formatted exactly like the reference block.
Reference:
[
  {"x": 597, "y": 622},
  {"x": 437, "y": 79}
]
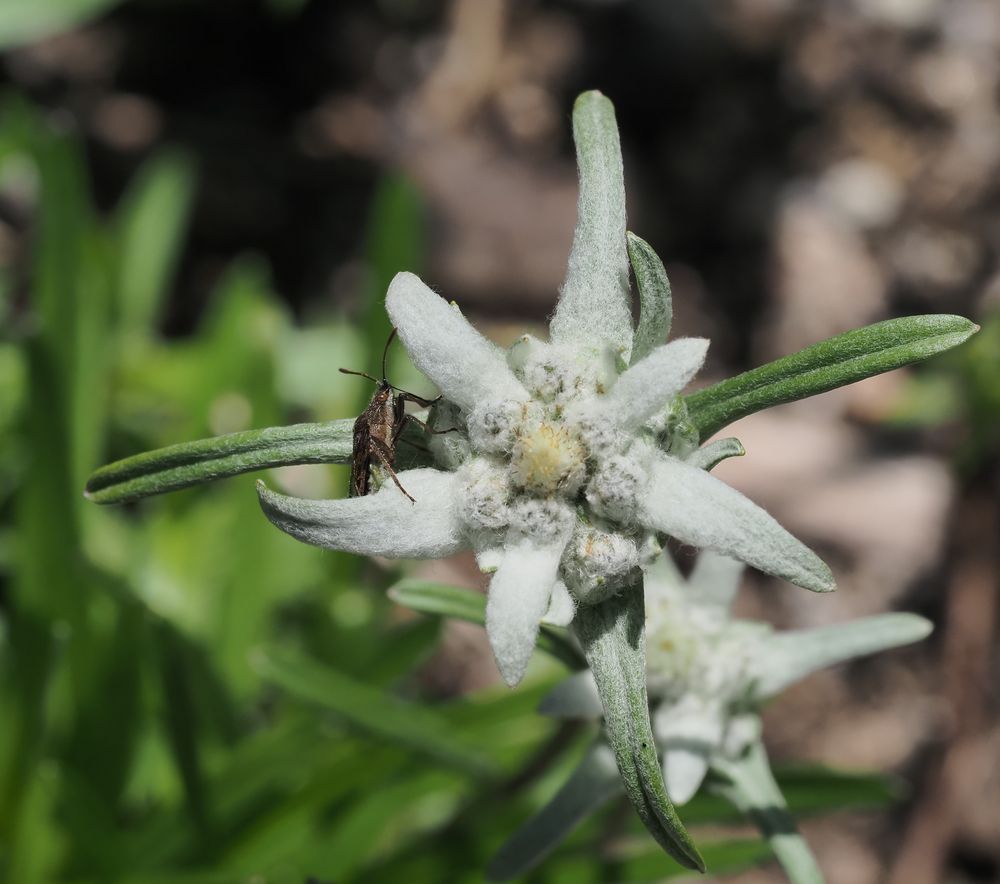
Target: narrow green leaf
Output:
[
  {"x": 614, "y": 643},
  {"x": 841, "y": 360},
  {"x": 440, "y": 600},
  {"x": 151, "y": 222},
  {"x": 656, "y": 309},
  {"x": 190, "y": 463},
  {"x": 378, "y": 713},
  {"x": 812, "y": 789},
  {"x": 721, "y": 857},
  {"x": 591, "y": 785},
  {"x": 749, "y": 784}
]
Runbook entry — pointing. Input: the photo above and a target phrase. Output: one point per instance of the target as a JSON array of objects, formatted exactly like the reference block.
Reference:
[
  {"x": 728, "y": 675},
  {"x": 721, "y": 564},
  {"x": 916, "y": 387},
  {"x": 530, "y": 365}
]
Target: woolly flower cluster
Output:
[
  {"x": 707, "y": 674},
  {"x": 562, "y": 464}
]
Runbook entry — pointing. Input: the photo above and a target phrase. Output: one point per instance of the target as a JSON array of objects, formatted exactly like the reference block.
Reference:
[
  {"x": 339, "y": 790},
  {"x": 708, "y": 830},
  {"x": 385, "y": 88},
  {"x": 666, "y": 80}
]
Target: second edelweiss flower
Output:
[{"x": 569, "y": 462}]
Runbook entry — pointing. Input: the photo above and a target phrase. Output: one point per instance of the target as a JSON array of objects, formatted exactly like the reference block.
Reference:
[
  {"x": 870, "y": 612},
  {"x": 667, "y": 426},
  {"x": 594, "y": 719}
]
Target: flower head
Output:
[
  {"x": 568, "y": 461},
  {"x": 707, "y": 675}
]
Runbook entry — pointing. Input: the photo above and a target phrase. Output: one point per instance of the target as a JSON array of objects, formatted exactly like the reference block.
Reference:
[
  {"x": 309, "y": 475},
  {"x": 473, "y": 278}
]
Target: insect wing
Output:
[{"x": 361, "y": 458}]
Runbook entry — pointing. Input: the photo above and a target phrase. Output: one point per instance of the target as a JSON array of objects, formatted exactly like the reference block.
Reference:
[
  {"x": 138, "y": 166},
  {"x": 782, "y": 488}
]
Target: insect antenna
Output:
[
  {"x": 361, "y": 374},
  {"x": 385, "y": 352}
]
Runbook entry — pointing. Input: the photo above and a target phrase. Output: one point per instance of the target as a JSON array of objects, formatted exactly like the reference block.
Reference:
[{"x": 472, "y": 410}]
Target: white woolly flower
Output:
[
  {"x": 554, "y": 444},
  {"x": 708, "y": 675}
]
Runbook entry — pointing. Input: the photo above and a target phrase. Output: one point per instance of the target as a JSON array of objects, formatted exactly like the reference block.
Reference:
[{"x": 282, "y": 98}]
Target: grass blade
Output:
[{"x": 374, "y": 711}]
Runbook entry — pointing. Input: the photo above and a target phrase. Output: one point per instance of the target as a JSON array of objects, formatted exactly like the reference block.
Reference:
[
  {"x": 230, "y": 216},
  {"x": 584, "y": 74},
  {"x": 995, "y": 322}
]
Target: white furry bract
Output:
[
  {"x": 518, "y": 599},
  {"x": 382, "y": 524},
  {"x": 594, "y": 304},
  {"x": 649, "y": 385},
  {"x": 466, "y": 367},
  {"x": 696, "y": 508}
]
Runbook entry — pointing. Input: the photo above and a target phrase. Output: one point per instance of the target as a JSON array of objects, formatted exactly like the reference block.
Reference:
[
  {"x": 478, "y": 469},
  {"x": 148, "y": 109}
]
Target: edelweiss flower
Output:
[
  {"x": 707, "y": 678},
  {"x": 707, "y": 675},
  {"x": 570, "y": 459}
]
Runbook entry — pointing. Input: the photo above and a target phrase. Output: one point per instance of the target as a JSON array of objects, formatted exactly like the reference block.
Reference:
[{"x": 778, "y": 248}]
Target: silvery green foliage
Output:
[
  {"x": 566, "y": 464},
  {"x": 707, "y": 677}
]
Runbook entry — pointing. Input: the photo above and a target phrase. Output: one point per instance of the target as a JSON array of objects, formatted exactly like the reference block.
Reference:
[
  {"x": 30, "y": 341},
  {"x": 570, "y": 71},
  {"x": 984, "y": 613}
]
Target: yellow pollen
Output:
[{"x": 548, "y": 458}]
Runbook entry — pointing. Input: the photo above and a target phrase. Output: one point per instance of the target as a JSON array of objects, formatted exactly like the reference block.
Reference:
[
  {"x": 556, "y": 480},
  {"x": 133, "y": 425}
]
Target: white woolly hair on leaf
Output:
[
  {"x": 382, "y": 524},
  {"x": 518, "y": 599},
  {"x": 562, "y": 606},
  {"x": 594, "y": 304},
  {"x": 791, "y": 656},
  {"x": 687, "y": 733},
  {"x": 696, "y": 508},
  {"x": 466, "y": 367},
  {"x": 714, "y": 580},
  {"x": 653, "y": 382}
]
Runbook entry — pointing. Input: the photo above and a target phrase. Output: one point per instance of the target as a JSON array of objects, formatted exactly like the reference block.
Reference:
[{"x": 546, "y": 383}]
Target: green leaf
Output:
[
  {"x": 24, "y": 21},
  {"x": 590, "y": 786},
  {"x": 841, "y": 360},
  {"x": 441, "y": 600},
  {"x": 749, "y": 784},
  {"x": 376, "y": 712},
  {"x": 721, "y": 858},
  {"x": 812, "y": 789},
  {"x": 190, "y": 463},
  {"x": 656, "y": 310},
  {"x": 151, "y": 224},
  {"x": 613, "y": 639}
]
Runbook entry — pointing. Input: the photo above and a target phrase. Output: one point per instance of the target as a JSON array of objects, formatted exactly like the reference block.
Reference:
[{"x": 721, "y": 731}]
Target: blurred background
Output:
[{"x": 200, "y": 207}]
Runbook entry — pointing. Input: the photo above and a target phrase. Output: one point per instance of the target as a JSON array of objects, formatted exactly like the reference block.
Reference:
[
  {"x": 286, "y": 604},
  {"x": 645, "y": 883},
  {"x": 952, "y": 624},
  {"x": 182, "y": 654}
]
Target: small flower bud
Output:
[
  {"x": 597, "y": 564},
  {"x": 484, "y": 494},
  {"x": 494, "y": 427},
  {"x": 613, "y": 491}
]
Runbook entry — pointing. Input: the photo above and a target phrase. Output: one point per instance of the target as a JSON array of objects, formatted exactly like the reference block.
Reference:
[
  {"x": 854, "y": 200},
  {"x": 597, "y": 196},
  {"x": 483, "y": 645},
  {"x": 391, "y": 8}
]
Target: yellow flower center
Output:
[{"x": 548, "y": 458}]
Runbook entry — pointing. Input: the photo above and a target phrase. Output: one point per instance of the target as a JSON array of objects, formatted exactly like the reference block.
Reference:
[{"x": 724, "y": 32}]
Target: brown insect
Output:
[{"x": 378, "y": 428}]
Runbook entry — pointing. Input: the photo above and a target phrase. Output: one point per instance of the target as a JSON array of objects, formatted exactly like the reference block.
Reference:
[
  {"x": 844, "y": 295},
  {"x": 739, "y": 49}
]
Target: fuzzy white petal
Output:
[
  {"x": 518, "y": 598},
  {"x": 714, "y": 580},
  {"x": 653, "y": 382},
  {"x": 683, "y": 772},
  {"x": 662, "y": 581},
  {"x": 574, "y": 697},
  {"x": 467, "y": 368},
  {"x": 594, "y": 304},
  {"x": 562, "y": 606},
  {"x": 791, "y": 656},
  {"x": 688, "y": 733},
  {"x": 696, "y": 508},
  {"x": 380, "y": 524}
]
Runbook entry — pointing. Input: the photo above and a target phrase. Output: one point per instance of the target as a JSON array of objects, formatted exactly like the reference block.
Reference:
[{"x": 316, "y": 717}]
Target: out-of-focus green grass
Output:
[{"x": 186, "y": 694}]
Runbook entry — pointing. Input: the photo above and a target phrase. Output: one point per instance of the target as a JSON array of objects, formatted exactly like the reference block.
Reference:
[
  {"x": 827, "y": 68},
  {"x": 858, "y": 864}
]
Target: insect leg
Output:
[
  {"x": 381, "y": 451},
  {"x": 418, "y": 400},
  {"x": 430, "y": 429}
]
